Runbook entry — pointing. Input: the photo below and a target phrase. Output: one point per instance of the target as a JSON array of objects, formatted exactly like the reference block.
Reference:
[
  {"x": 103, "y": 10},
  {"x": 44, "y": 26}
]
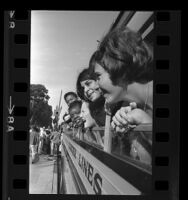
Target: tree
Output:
[
  {"x": 39, "y": 92},
  {"x": 40, "y": 111}
]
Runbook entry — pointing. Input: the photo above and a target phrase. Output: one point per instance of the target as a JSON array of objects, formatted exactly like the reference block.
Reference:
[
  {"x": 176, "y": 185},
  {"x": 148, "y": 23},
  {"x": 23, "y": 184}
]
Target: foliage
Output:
[{"x": 40, "y": 111}]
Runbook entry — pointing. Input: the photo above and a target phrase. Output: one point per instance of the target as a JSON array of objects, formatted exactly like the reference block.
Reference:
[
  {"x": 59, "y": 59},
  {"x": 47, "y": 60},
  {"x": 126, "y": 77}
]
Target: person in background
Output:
[
  {"x": 34, "y": 142},
  {"x": 55, "y": 138},
  {"x": 69, "y": 97},
  {"x": 74, "y": 112},
  {"x": 42, "y": 140},
  {"x": 48, "y": 134}
]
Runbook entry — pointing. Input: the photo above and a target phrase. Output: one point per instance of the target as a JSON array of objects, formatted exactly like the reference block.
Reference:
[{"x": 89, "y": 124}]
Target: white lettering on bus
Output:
[{"x": 94, "y": 178}]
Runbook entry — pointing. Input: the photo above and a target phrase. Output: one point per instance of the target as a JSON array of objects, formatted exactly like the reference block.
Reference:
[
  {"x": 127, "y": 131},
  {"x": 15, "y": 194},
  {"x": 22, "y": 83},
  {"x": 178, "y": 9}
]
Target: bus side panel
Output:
[{"x": 96, "y": 177}]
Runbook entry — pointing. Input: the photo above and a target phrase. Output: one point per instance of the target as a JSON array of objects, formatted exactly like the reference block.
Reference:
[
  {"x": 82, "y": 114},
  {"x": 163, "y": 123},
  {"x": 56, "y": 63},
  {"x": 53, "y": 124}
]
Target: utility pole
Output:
[{"x": 57, "y": 112}]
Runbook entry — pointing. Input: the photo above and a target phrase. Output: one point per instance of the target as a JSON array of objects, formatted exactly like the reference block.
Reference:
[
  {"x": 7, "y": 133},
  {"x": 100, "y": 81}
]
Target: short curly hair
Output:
[
  {"x": 70, "y": 93},
  {"x": 126, "y": 57}
]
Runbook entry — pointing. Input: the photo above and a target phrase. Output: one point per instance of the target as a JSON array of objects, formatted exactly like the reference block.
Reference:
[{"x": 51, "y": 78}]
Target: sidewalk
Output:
[{"x": 42, "y": 178}]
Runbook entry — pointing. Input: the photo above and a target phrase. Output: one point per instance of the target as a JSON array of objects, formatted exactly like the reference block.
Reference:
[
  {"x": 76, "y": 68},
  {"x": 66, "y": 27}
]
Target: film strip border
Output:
[
  {"x": 16, "y": 100},
  {"x": 166, "y": 105}
]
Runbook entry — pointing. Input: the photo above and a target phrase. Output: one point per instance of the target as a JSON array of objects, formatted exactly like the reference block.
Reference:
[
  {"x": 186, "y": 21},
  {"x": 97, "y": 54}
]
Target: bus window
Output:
[
  {"x": 94, "y": 136},
  {"x": 136, "y": 144}
]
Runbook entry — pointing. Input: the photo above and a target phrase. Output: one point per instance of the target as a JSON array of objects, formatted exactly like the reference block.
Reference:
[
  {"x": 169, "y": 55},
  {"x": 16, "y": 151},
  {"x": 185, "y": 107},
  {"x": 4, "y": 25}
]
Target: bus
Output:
[{"x": 99, "y": 161}]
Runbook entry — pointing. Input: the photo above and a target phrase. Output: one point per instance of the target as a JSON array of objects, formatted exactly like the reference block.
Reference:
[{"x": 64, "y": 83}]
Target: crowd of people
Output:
[
  {"x": 43, "y": 141},
  {"x": 119, "y": 80}
]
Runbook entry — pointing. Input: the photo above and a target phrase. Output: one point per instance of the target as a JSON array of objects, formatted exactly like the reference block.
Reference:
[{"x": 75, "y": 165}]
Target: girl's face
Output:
[
  {"x": 70, "y": 98},
  {"x": 91, "y": 89},
  {"x": 112, "y": 93}
]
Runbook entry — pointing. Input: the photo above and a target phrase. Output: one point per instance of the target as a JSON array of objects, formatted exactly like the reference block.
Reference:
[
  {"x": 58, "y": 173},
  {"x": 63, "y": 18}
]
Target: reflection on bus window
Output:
[
  {"x": 96, "y": 137},
  {"x": 136, "y": 145}
]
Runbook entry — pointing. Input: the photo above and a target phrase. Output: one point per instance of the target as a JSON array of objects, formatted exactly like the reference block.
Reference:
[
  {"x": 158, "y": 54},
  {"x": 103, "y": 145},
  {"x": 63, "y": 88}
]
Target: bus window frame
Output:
[{"x": 124, "y": 158}]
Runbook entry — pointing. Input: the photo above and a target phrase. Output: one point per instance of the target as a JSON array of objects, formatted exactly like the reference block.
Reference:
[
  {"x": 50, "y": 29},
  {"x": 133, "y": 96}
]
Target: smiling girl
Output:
[
  {"x": 124, "y": 72},
  {"x": 88, "y": 90}
]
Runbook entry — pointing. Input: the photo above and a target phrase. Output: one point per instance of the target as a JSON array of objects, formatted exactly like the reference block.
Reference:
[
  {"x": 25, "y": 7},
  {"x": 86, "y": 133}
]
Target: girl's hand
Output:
[{"x": 127, "y": 116}]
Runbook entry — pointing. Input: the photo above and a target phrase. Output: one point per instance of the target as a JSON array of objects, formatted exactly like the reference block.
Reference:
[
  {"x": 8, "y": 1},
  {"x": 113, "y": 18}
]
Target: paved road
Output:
[{"x": 43, "y": 177}]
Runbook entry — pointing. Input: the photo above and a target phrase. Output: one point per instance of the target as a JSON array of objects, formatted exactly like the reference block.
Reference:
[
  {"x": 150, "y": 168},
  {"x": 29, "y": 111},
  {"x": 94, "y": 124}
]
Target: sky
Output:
[{"x": 62, "y": 43}]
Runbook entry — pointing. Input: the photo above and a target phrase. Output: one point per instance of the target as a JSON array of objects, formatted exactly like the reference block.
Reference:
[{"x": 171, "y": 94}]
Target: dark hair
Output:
[
  {"x": 70, "y": 93},
  {"x": 86, "y": 74},
  {"x": 126, "y": 57},
  {"x": 74, "y": 104}
]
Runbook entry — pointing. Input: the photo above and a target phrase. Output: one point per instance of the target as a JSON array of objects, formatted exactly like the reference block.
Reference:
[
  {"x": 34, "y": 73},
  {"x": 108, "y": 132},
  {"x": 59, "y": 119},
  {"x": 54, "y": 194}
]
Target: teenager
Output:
[{"x": 124, "y": 72}]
